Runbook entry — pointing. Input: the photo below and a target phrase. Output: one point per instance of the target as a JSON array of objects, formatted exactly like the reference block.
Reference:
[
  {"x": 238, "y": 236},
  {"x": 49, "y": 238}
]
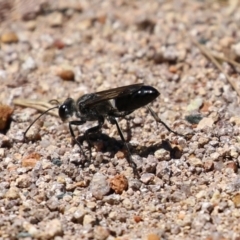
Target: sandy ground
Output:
[{"x": 189, "y": 186}]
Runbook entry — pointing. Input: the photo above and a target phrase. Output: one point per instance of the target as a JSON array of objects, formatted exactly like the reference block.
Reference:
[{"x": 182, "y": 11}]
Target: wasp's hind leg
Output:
[
  {"x": 129, "y": 156},
  {"x": 157, "y": 119}
]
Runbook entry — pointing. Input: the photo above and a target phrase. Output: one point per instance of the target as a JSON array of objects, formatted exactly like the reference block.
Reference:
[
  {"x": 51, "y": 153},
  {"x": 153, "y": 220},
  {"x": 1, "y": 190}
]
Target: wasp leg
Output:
[
  {"x": 93, "y": 130},
  {"x": 76, "y": 123},
  {"x": 129, "y": 157},
  {"x": 155, "y": 116}
]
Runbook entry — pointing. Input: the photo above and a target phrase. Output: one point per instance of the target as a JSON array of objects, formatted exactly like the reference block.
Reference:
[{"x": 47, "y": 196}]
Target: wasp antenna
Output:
[{"x": 24, "y": 134}]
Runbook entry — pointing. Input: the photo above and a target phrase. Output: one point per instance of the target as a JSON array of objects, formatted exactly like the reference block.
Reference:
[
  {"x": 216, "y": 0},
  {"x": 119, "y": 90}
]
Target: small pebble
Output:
[
  {"x": 5, "y": 114},
  {"x": 12, "y": 193},
  {"x": 23, "y": 181},
  {"x": 196, "y": 162},
  {"x": 53, "y": 228},
  {"x": 232, "y": 165},
  {"x": 119, "y": 184},
  {"x": 9, "y": 37},
  {"x": 205, "y": 122},
  {"x": 162, "y": 154},
  {"x": 147, "y": 178},
  {"x": 127, "y": 204},
  {"x": 99, "y": 186},
  {"x": 153, "y": 236},
  {"x": 67, "y": 75},
  {"x": 88, "y": 219},
  {"x": 55, "y": 19},
  {"x": 208, "y": 165},
  {"x": 101, "y": 233},
  {"x": 195, "y": 104},
  {"x": 236, "y": 200}
]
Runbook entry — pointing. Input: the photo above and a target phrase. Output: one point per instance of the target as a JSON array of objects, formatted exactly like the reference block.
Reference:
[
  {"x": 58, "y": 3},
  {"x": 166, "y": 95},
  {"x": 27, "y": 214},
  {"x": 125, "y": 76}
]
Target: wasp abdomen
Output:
[{"x": 137, "y": 99}]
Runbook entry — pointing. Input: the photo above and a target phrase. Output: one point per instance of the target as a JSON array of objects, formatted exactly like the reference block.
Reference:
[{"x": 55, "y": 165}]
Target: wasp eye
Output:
[{"x": 66, "y": 109}]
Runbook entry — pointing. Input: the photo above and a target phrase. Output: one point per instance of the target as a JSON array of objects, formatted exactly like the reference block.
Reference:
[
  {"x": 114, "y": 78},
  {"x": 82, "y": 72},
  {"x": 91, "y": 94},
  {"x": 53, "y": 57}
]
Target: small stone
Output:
[
  {"x": 31, "y": 25},
  {"x": 137, "y": 219},
  {"x": 215, "y": 197},
  {"x": 46, "y": 164},
  {"x": 207, "y": 207},
  {"x": 127, "y": 204},
  {"x": 33, "y": 134},
  {"x": 215, "y": 156},
  {"x": 202, "y": 91},
  {"x": 208, "y": 165},
  {"x": 99, "y": 186},
  {"x": 195, "y": 104},
  {"x": 59, "y": 44},
  {"x": 55, "y": 19},
  {"x": 9, "y": 37},
  {"x": 214, "y": 116},
  {"x": 119, "y": 184},
  {"x": 84, "y": 24},
  {"x": 79, "y": 215},
  {"x": 162, "y": 154},
  {"x": 162, "y": 169},
  {"x": 196, "y": 162},
  {"x": 67, "y": 75},
  {"x": 91, "y": 205},
  {"x": 29, "y": 64},
  {"x": 71, "y": 187},
  {"x": 149, "y": 165},
  {"x": 173, "y": 69},
  {"x": 137, "y": 121},
  {"x": 203, "y": 140},
  {"x": 23, "y": 181},
  {"x": 5, "y": 114},
  {"x": 234, "y": 153},
  {"x": 235, "y": 120},
  {"x": 134, "y": 184},
  {"x": 113, "y": 215},
  {"x": 31, "y": 160},
  {"x": 112, "y": 199},
  {"x": 52, "y": 203},
  {"x": 153, "y": 236},
  {"x": 120, "y": 155},
  {"x": 4, "y": 141},
  {"x": 201, "y": 194},
  {"x": 232, "y": 165},
  {"x": 12, "y": 193},
  {"x": 2, "y": 152},
  {"x": 236, "y": 49},
  {"x": 194, "y": 118},
  {"x": 101, "y": 233},
  {"x": 147, "y": 178},
  {"x": 226, "y": 41},
  {"x": 88, "y": 219},
  {"x": 205, "y": 122},
  {"x": 31, "y": 229},
  {"x": 53, "y": 228},
  {"x": 236, "y": 200}
]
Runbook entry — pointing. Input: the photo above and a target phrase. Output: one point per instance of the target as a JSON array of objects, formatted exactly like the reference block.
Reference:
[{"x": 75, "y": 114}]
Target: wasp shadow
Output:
[{"x": 112, "y": 145}]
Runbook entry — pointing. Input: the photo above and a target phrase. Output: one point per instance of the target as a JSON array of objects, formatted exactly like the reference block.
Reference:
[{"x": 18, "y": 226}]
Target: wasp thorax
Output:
[{"x": 67, "y": 109}]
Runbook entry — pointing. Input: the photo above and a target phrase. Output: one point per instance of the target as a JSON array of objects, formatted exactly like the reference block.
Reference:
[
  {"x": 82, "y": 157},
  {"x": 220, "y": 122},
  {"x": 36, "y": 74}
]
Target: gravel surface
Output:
[{"x": 189, "y": 187}]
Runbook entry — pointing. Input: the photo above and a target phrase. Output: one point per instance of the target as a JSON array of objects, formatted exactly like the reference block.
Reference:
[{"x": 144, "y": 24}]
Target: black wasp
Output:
[{"x": 109, "y": 104}]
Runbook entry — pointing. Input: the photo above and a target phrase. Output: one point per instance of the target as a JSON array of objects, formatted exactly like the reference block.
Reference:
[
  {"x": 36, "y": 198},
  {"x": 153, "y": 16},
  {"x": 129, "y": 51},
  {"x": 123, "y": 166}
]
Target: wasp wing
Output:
[{"x": 111, "y": 94}]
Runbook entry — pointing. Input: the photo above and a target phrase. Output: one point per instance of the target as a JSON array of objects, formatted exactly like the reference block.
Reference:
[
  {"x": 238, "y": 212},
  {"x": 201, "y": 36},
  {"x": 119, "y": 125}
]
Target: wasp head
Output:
[{"x": 67, "y": 109}]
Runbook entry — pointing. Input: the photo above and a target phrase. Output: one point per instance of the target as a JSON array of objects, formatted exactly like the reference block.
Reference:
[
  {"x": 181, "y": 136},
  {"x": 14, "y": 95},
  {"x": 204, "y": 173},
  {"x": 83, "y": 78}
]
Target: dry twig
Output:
[
  {"x": 212, "y": 58},
  {"x": 36, "y": 104}
]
